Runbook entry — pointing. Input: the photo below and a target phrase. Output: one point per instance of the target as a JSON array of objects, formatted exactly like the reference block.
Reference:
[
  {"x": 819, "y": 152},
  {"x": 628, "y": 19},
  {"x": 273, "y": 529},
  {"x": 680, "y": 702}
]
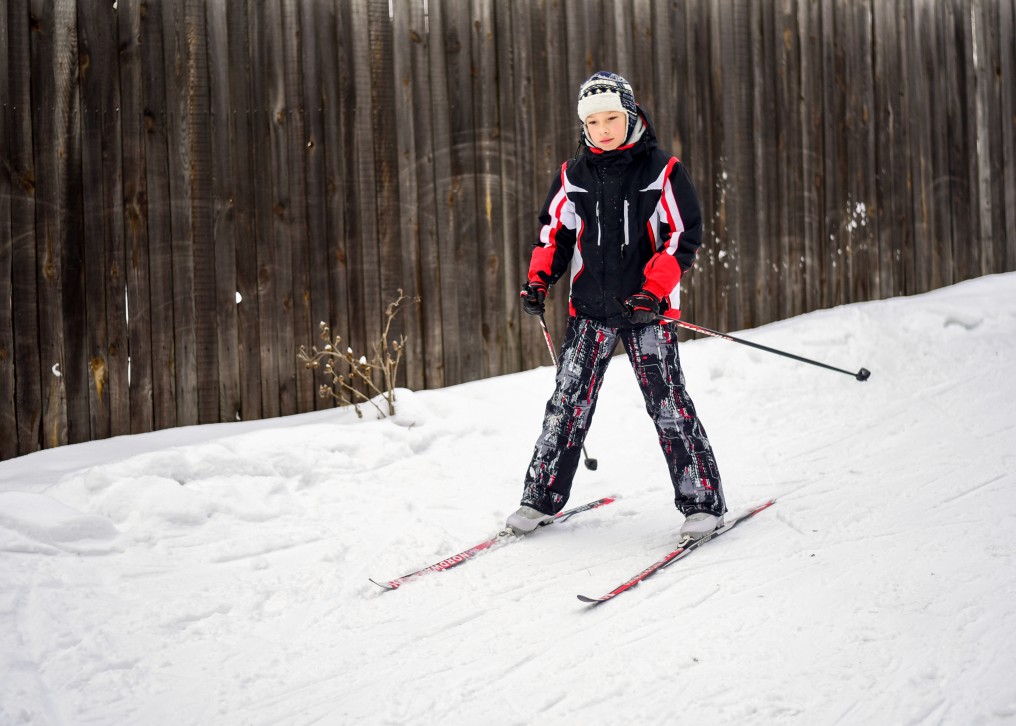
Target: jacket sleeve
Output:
[
  {"x": 553, "y": 249},
  {"x": 680, "y": 232}
]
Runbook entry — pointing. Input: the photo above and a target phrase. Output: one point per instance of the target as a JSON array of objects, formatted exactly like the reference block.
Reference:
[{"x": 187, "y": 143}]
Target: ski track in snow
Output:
[{"x": 218, "y": 574}]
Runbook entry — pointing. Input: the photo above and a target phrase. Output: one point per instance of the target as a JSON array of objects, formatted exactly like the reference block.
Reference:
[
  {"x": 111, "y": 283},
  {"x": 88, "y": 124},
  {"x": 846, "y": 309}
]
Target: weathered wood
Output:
[
  {"x": 180, "y": 244},
  {"x": 489, "y": 212},
  {"x": 244, "y": 201},
  {"x": 263, "y": 58},
  {"x": 416, "y": 231},
  {"x": 290, "y": 143},
  {"x": 316, "y": 21},
  {"x": 364, "y": 253},
  {"x": 204, "y": 302},
  {"x": 1007, "y": 115},
  {"x": 8, "y": 410},
  {"x": 100, "y": 176},
  {"x": 315, "y": 157},
  {"x": 134, "y": 223},
  {"x": 54, "y": 113},
  {"x": 224, "y": 189},
  {"x": 161, "y": 287}
]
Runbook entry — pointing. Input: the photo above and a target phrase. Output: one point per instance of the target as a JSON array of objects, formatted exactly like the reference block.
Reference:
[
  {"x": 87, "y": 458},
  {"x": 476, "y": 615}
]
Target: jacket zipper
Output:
[
  {"x": 599, "y": 227},
  {"x": 626, "y": 238}
]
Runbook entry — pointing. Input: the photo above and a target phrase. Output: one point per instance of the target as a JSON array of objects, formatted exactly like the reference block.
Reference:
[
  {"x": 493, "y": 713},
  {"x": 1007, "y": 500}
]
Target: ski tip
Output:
[
  {"x": 383, "y": 585},
  {"x": 590, "y": 600}
]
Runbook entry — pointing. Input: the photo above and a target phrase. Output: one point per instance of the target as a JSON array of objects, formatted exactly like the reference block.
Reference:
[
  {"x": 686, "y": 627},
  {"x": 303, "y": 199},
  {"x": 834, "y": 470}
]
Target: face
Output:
[{"x": 607, "y": 129}]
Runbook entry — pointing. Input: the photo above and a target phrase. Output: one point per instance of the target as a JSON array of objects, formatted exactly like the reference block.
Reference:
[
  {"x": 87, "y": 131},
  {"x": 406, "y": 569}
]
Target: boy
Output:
[{"x": 623, "y": 220}]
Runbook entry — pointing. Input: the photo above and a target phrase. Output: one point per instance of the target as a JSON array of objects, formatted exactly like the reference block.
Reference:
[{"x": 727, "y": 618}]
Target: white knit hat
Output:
[{"x": 605, "y": 91}]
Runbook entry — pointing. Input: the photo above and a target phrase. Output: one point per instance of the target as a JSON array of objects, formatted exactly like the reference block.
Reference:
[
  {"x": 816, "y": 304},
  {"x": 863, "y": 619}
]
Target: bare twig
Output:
[{"x": 349, "y": 374}]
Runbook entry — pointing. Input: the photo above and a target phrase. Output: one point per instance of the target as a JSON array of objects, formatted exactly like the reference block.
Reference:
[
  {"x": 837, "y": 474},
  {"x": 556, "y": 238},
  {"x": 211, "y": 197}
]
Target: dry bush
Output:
[{"x": 353, "y": 379}]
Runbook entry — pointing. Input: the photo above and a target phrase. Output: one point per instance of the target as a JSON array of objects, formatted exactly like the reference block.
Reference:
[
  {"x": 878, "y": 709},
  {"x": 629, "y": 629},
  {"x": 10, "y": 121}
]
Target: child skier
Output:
[{"x": 623, "y": 221}]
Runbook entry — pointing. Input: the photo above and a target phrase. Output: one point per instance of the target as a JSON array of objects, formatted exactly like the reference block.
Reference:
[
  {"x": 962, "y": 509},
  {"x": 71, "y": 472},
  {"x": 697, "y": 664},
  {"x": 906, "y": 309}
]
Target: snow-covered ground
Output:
[{"x": 219, "y": 574}]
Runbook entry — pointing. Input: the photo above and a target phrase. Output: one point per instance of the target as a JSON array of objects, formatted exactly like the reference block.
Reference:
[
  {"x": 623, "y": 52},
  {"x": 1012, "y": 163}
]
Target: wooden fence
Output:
[{"x": 190, "y": 186}]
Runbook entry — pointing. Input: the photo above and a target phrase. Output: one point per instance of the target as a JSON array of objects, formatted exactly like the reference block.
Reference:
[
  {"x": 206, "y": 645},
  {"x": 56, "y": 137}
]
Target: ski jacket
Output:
[{"x": 617, "y": 222}]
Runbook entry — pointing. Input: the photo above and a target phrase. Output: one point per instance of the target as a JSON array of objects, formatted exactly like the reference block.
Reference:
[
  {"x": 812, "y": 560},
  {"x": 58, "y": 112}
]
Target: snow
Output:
[{"x": 219, "y": 574}]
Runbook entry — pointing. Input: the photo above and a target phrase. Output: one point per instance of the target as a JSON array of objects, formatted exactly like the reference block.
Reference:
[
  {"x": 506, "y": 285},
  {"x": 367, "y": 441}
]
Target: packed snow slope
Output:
[{"x": 219, "y": 574}]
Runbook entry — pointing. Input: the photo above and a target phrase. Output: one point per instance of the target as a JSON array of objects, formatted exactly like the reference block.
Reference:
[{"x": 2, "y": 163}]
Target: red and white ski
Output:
[
  {"x": 684, "y": 548},
  {"x": 503, "y": 537}
]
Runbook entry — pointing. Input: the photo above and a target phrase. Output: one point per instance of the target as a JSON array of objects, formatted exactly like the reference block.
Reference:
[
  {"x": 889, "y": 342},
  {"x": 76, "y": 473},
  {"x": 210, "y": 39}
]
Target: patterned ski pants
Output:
[{"x": 585, "y": 355}]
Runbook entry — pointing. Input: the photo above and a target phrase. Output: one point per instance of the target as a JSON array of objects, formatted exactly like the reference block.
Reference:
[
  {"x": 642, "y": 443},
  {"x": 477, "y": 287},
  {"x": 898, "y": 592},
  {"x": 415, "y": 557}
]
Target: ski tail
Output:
[{"x": 684, "y": 548}]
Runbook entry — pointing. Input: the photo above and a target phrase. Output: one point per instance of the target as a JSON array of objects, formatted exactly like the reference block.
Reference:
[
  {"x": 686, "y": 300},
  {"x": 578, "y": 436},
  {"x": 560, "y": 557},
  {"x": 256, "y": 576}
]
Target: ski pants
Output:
[{"x": 652, "y": 352}]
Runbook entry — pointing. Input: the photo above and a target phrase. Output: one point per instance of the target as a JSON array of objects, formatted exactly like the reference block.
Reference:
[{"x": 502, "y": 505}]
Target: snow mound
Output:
[{"x": 37, "y": 524}]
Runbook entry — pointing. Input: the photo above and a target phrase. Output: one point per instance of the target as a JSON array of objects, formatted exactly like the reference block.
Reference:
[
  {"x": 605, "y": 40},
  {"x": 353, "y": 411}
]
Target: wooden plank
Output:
[
  {"x": 202, "y": 271},
  {"x": 508, "y": 52},
  {"x": 138, "y": 352},
  {"x": 637, "y": 58},
  {"x": 53, "y": 57},
  {"x": 444, "y": 41},
  {"x": 28, "y": 396},
  {"x": 386, "y": 165},
  {"x": 890, "y": 89},
  {"x": 223, "y": 182},
  {"x": 835, "y": 162},
  {"x": 8, "y": 411},
  {"x": 489, "y": 198},
  {"x": 419, "y": 259},
  {"x": 945, "y": 143},
  {"x": 735, "y": 161},
  {"x": 764, "y": 266},
  {"x": 364, "y": 260},
  {"x": 665, "y": 69},
  {"x": 315, "y": 56},
  {"x": 964, "y": 220},
  {"x": 790, "y": 146},
  {"x": 1007, "y": 114},
  {"x": 989, "y": 20},
  {"x": 180, "y": 209},
  {"x": 243, "y": 220},
  {"x": 264, "y": 57},
  {"x": 100, "y": 173},
  {"x": 340, "y": 96},
  {"x": 160, "y": 280},
  {"x": 290, "y": 157},
  {"x": 585, "y": 40},
  {"x": 920, "y": 121},
  {"x": 460, "y": 254},
  {"x": 862, "y": 260},
  {"x": 813, "y": 180}
]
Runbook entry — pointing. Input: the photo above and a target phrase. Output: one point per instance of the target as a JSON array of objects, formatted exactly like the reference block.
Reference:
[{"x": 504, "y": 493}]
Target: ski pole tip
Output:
[{"x": 863, "y": 374}]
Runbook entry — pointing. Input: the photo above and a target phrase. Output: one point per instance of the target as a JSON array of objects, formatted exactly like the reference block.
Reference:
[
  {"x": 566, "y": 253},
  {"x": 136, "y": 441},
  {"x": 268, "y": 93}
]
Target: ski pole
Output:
[
  {"x": 591, "y": 464},
  {"x": 861, "y": 375}
]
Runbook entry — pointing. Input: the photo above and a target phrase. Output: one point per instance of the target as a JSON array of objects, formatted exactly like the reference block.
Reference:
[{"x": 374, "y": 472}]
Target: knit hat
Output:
[{"x": 605, "y": 91}]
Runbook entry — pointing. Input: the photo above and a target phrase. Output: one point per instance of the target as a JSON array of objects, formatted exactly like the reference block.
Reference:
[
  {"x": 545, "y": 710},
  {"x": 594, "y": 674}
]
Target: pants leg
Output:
[
  {"x": 586, "y": 352},
  {"x": 652, "y": 351}
]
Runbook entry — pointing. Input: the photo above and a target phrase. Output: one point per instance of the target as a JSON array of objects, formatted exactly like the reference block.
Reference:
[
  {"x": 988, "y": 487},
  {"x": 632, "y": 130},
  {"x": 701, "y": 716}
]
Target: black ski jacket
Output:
[{"x": 617, "y": 222}]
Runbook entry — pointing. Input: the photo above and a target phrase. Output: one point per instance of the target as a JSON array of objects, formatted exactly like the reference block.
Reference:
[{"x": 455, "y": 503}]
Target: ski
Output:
[
  {"x": 684, "y": 548},
  {"x": 502, "y": 538}
]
